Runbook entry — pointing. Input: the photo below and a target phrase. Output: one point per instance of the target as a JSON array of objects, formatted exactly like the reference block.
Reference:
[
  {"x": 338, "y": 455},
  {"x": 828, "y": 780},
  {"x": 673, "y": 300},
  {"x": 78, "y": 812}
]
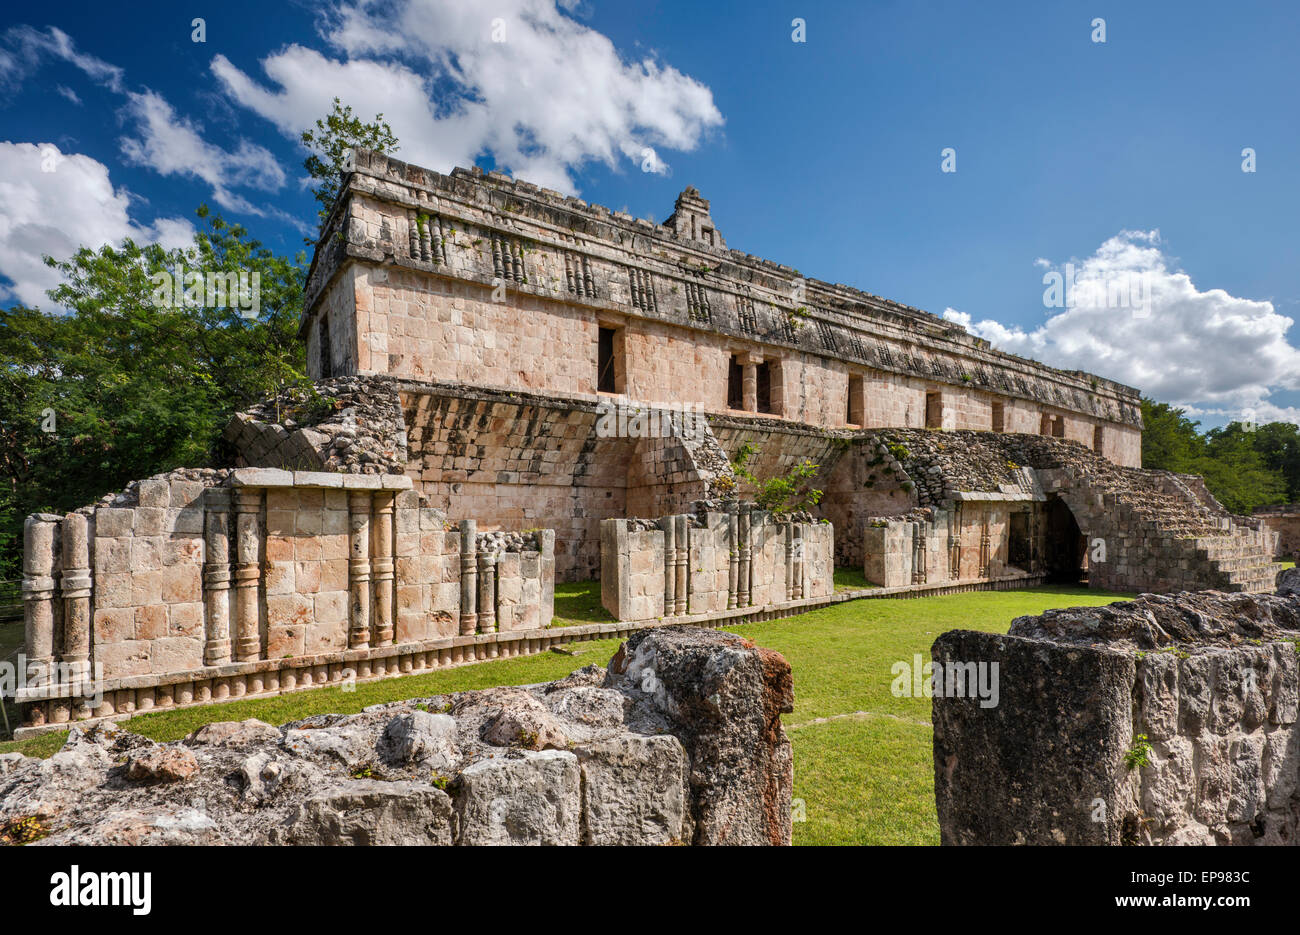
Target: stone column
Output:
[
  {"x": 546, "y": 543},
  {"x": 796, "y": 574},
  {"x": 468, "y": 577},
  {"x": 918, "y": 553},
  {"x": 1035, "y": 543},
  {"x": 749, "y": 384},
  {"x": 359, "y": 569},
  {"x": 789, "y": 560},
  {"x": 487, "y": 595},
  {"x": 683, "y": 536},
  {"x": 382, "y": 547},
  {"x": 985, "y": 546},
  {"x": 40, "y": 532},
  {"x": 216, "y": 576},
  {"x": 75, "y": 584},
  {"x": 248, "y": 573},
  {"x": 733, "y": 553},
  {"x": 954, "y": 543},
  {"x": 669, "y": 526},
  {"x": 742, "y": 595}
]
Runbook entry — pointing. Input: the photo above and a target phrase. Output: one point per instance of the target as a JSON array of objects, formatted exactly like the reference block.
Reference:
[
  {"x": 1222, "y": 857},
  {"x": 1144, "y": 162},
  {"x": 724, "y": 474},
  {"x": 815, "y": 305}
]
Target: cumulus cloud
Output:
[
  {"x": 163, "y": 140},
  {"x": 520, "y": 80},
  {"x": 52, "y": 204},
  {"x": 1127, "y": 312},
  {"x": 171, "y": 145}
]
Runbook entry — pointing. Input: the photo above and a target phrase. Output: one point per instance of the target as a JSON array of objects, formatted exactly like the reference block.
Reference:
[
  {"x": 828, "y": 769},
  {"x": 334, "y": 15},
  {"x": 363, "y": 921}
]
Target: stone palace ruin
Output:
[{"x": 515, "y": 388}]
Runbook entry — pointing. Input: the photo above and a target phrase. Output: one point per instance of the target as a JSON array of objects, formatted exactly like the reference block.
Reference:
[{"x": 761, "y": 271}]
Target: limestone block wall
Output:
[
  {"x": 663, "y": 477},
  {"x": 518, "y": 461},
  {"x": 1165, "y": 720},
  {"x": 196, "y": 586},
  {"x": 966, "y": 544},
  {"x": 337, "y": 322},
  {"x": 485, "y": 279},
  {"x": 855, "y": 495},
  {"x": 1285, "y": 523},
  {"x": 712, "y": 561}
]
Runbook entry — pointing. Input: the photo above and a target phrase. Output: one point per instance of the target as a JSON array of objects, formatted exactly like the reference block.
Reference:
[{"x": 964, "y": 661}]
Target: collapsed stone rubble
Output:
[{"x": 678, "y": 741}]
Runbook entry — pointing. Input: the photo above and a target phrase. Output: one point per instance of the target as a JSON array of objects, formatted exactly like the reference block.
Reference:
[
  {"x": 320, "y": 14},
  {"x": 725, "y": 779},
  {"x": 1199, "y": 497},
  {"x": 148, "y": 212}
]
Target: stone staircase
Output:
[
  {"x": 1163, "y": 531},
  {"x": 1187, "y": 542}
]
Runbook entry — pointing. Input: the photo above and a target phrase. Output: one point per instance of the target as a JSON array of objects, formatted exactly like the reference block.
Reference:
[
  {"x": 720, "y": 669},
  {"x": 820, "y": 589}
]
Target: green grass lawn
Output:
[
  {"x": 851, "y": 579},
  {"x": 579, "y": 602},
  {"x": 863, "y": 764}
]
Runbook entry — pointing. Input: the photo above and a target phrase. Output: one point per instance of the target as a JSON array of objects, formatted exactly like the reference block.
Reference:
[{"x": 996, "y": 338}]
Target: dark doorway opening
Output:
[
  {"x": 606, "y": 375},
  {"x": 764, "y": 374},
  {"x": 1018, "y": 540},
  {"x": 735, "y": 384},
  {"x": 1063, "y": 544}
]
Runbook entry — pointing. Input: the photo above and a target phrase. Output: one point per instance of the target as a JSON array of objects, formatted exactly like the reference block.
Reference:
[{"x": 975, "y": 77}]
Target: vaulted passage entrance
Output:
[{"x": 1063, "y": 545}]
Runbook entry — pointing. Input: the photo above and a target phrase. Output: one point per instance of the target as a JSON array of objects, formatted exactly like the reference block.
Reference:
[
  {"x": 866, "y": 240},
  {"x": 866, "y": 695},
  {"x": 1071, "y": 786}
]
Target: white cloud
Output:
[
  {"x": 164, "y": 141},
  {"x": 1134, "y": 317},
  {"x": 171, "y": 145},
  {"x": 55, "y": 212},
  {"x": 24, "y": 49},
  {"x": 552, "y": 95}
]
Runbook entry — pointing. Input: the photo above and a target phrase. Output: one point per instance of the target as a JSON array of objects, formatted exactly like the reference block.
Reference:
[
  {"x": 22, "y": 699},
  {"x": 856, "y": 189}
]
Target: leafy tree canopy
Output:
[
  {"x": 126, "y": 384},
  {"x": 330, "y": 144},
  {"x": 1244, "y": 466}
]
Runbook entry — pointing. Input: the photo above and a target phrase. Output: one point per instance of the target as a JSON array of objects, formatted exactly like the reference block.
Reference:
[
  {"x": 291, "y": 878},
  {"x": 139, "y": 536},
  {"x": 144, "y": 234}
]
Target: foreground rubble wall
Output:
[
  {"x": 1170, "y": 719},
  {"x": 679, "y": 741}
]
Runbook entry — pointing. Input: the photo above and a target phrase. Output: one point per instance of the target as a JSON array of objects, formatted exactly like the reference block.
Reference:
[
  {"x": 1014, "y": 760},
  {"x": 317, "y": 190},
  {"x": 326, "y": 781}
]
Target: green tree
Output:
[
  {"x": 1170, "y": 441},
  {"x": 329, "y": 146},
  {"x": 1278, "y": 443},
  {"x": 1236, "y": 473},
  {"x": 125, "y": 385},
  {"x": 1244, "y": 469},
  {"x": 790, "y": 492}
]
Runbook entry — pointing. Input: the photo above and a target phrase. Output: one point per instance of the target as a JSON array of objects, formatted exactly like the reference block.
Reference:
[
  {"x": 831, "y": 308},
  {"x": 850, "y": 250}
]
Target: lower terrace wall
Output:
[
  {"x": 200, "y": 585},
  {"x": 712, "y": 561},
  {"x": 1169, "y": 719},
  {"x": 969, "y": 543},
  {"x": 1285, "y": 522}
]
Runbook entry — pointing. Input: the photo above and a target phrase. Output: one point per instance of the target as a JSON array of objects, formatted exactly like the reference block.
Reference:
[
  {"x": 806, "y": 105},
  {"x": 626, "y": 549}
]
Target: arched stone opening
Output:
[{"x": 1064, "y": 547}]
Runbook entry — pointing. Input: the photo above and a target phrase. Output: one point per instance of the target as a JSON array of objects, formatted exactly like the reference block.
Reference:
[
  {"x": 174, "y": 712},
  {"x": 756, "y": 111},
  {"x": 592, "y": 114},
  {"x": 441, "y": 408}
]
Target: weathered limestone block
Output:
[
  {"x": 234, "y": 733},
  {"x": 530, "y": 799},
  {"x": 162, "y": 764},
  {"x": 424, "y": 738},
  {"x": 1028, "y": 769},
  {"x": 705, "y": 683},
  {"x": 635, "y": 791},
  {"x": 1168, "y": 719},
  {"x": 370, "y": 812}
]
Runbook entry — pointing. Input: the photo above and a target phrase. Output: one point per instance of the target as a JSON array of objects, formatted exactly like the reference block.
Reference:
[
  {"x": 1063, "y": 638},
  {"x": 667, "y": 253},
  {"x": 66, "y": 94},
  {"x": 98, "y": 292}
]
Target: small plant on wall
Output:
[{"x": 790, "y": 492}]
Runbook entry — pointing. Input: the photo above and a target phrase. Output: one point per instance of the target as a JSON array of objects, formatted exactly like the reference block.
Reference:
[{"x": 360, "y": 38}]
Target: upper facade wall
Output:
[{"x": 479, "y": 278}]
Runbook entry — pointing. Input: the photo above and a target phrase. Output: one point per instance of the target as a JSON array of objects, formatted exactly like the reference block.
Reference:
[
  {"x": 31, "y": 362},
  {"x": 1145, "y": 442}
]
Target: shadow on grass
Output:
[
  {"x": 578, "y": 602},
  {"x": 851, "y": 579}
]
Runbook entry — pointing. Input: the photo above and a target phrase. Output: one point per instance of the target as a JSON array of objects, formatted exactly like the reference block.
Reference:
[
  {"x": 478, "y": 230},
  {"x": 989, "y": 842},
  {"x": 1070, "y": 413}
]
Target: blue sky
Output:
[{"x": 823, "y": 154}]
